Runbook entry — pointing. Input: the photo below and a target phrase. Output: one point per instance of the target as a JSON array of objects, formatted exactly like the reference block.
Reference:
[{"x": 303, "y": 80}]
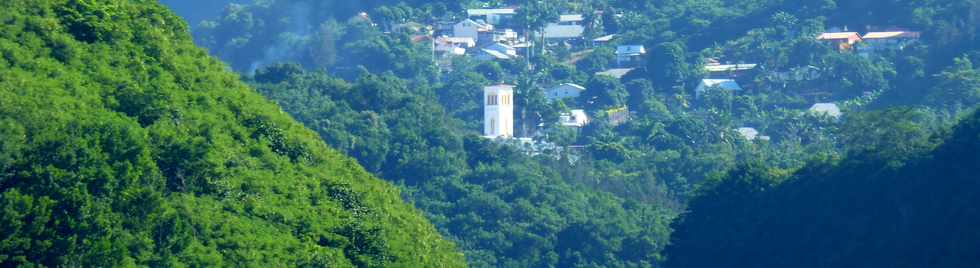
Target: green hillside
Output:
[
  {"x": 900, "y": 205},
  {"x": 121, "y": 143}
]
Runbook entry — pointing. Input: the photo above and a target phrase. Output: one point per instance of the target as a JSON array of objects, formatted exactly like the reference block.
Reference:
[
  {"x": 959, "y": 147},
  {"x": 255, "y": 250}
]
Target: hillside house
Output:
[
  {"x": 630, "y": 55},
  {"x": 716, "y": 84},
  {"x": 826, "y": 109},
  {"x": 722, "y": 71},
  {"x": 602, "y": 40},
  {"x": 618, "y": 116},
  {"x": 491, "y": 55},
  {"x": 617, "y": 73},
  {"x": 557, "y": 33},
  {"x": 751, "y": 134},
  {"x": 564, "y": 91},
  {"x": 841, "y": 40},
  {"x": 504, "y": 49},
  {"x": 506, "y": 36},
  {"x": 574, "y": 118},
  {"x": 493, "y": 16},
  {"x": 454, "y": 45},
  {"x": 472, "y": 29}
]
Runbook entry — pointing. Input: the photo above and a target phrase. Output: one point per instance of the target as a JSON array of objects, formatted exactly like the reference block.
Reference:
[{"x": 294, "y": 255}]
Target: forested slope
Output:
[
  {"x": 870, "y": 210},
  {"x": 121, "y": 143}
]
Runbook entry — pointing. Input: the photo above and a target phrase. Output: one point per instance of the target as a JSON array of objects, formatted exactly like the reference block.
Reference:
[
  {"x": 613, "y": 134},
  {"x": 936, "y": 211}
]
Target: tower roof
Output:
[{"x": 499, "y": 87}]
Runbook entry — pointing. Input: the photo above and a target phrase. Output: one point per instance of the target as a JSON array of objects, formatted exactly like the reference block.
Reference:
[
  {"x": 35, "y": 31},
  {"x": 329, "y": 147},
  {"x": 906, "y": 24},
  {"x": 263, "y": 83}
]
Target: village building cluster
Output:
[{"x": 492, "y": 35}]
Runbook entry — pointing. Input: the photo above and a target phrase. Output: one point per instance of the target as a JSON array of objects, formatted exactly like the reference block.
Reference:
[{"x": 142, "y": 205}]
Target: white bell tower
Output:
[{"x": 498, "y": 111}]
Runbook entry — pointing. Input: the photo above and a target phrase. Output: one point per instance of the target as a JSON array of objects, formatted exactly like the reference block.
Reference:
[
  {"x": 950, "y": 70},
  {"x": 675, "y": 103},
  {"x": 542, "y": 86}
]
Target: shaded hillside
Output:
[
  {"x": 121, "y": 143},
  {"x": 867, "y": 211}
]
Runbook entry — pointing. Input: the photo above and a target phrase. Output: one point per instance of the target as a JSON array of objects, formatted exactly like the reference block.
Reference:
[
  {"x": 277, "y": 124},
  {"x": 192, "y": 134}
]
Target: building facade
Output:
[{"x": 498, "y": 111}]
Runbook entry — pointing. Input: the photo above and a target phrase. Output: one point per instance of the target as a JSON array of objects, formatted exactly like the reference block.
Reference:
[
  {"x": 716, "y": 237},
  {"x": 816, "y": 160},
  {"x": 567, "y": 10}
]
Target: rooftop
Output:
[
  {"x": 727, "y": 84},
  {"x": 836, "y": 36},
  {"x": 555, "y": 31},
  {"x": 887, "y": 35},
  {"x": 606, "y": 38},
  {"x": 826, "y": 108},
  {"x": 572, "y": 85},
  {"x": 630, "y": 50},
  {"x": 729, "y": 67},
  {"x": 748, "y": 133},
  {"x": 491, "y": 11},
  {"x": 617, "y": 73},
  {"x": 571, "y": 18},
  {"x": 496, "y": 54}
]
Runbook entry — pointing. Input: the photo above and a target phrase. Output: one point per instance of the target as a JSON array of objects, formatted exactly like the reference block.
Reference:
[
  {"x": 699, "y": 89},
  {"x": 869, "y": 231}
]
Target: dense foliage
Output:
[
  {"x": 123, "y": 144},
  {"x": 505, "y": 209},
  {"x": 910, "y": 208}
]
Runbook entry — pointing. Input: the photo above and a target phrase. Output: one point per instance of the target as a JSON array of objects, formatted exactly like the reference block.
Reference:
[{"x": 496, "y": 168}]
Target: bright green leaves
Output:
[{"x": 122, "y": 144}]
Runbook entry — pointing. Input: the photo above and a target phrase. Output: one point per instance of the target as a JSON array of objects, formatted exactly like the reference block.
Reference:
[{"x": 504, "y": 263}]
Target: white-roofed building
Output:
[
  {"x": 630, "y": 55},
  {"x": 454, "y": 45},
  {"x": 602, "y": 40},
  {"x": 721, "y": 84},
  {"x": 506, "y": 36},
  {"x": 727, "y": 70},
  {"x": 564, "y": 91},
  {"x": 875, "y": 41},
  {"x": 748, "y": 133},
  {"x": 489, "y": 55},
  {"x": 502, "y": 48},
  {"x": 826, "y": 108},
  {"x": 557, "y": 32},
  {"x": 617, "y": 73},
  {"x": 574, "y": 118}
]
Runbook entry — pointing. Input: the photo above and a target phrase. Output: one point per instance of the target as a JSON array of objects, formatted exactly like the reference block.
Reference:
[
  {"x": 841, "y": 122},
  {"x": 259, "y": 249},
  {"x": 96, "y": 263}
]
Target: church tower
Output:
[{"x": 498, "y": 111}]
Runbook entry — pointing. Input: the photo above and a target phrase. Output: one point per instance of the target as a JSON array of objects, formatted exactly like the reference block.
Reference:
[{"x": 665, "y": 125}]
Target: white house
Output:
[
  {"x": 750, "y": 134},
  {"x": 454, "y": 45},
  {"x": 629, "y": 54},
  {"x": 826, "y": 108},
  {"x": 574, "y": 118},
  {"x": 564, "y": 91},
  {"x": 492, "y": 16},
  {"x": 723, "y": 84},
  {"x": 498, "y": 111},
  {"x": 471, "y": 29},
  {"x": 502, "y": 48},
  {"x": 506, "y": 36}
]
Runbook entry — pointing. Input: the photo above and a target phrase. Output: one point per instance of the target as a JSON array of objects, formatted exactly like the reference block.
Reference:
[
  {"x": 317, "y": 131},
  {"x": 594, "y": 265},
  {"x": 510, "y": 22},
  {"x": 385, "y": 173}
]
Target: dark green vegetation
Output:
[
  {"x": 372, "y": 90},
  {"x": 504, "y": 208},
  {"x": 123, "y": 144},
  {"x": 913, "y": 208}
]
